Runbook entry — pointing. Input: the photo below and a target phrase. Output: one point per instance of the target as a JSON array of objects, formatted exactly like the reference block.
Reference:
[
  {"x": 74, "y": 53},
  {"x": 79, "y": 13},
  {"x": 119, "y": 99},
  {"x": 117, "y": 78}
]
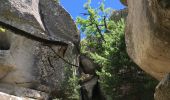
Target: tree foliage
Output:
[{"x": 105, "y": 44}]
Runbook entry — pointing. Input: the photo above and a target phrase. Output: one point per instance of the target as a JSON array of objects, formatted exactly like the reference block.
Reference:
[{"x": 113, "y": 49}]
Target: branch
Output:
[
  {"x": 105, "y": 23},
  {"x": 30, "y": 36},
  {"x": 85, "y": 14},
  {"x": 89, "y": 25},
  {"x": 100, "y": 25},
  {"x": 62, "y": 57},
  {"x": 97, "y": 27}
]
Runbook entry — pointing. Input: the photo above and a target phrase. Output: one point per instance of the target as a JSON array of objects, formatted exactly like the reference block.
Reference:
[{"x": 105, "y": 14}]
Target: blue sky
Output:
[{"x": 75, "y": 7}]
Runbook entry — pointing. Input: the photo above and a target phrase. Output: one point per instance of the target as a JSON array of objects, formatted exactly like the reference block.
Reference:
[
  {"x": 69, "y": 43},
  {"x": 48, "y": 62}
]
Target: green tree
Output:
[{"x": 120, "y": 78}]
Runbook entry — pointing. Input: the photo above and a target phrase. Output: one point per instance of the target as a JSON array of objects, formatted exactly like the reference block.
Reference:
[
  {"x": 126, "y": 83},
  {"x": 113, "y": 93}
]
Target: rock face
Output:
[
  {"x": 42, "y": 19},
  {"x": 11, "y": 91},
  {"x": 5, "y": 96},
  {"x": 118, "y": 14},
  {"x": 147, "y": 35},
  {"x": 163, "y": 89},
  {"x": 90, "y": 87},
  {"x": 58, "y": 22},
  {"x": 31, "y": 64}
]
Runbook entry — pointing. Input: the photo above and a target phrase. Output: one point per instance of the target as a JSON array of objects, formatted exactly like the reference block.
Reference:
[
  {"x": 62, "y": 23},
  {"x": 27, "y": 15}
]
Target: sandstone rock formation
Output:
[
  {"x": 148, "y": 40},
  {"x": 163, "y": 89},
  {"x": 24, "y": 60},
  {"x": 147, "y": 35}
]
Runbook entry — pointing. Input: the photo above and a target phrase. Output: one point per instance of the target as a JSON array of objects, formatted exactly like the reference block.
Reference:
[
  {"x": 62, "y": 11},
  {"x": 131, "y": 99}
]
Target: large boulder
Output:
[
  {"x": 32, "y": 64},
  {"x": 147, "y": 35},
  {"x": 46, "y": 19}
]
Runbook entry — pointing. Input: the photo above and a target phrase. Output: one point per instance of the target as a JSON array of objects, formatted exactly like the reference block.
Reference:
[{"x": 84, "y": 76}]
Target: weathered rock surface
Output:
[
  {"x": 90, "y": 87},
  {"x": 20, "y": 92},
  {"x": 147, "y": 35},
  {"x": 31, "y": 64},
  {"x": 58, "y": 22},
  {"x": 118, "y": 14},
  {"x": 163, "y": 89},
  {"x": 23, "y": 14},
  {"x": 88, "y": 66},
  {"x": 45, "y": 19},
  {"x": 5, "y": 96}
]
